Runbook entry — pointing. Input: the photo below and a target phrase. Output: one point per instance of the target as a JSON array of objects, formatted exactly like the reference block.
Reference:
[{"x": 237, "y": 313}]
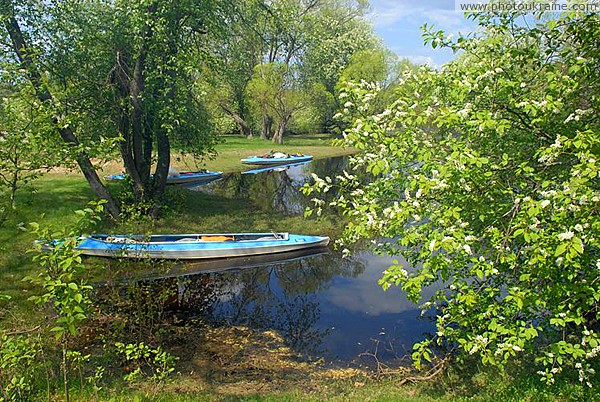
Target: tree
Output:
[
  {"x": 238, "y": 50},
  {"x": 485, "y": 177},
  {"x": 314, "y": 39},
  {"x": 119, "y": 70},
  {"x": 28, "y": 60},
  {"x": 369, "y": 65},
  {"x": 274, "y": 95},
  {"x": 27, "y": 147}
]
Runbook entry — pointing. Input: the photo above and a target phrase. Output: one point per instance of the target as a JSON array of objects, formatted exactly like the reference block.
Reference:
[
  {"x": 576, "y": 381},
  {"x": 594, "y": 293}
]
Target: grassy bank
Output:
[
  {"x": 51, "y": 200},
  {"x": 234, "y": 148}
]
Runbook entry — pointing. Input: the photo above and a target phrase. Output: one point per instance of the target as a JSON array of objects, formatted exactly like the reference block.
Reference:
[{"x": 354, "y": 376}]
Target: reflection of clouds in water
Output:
[
  {"x": 363, "y": 294},
  {"x": 298, "y": 174}
]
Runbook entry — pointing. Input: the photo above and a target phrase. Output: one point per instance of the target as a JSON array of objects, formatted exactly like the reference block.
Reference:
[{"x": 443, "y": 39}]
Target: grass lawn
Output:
[{"x": 235, "y": 148}]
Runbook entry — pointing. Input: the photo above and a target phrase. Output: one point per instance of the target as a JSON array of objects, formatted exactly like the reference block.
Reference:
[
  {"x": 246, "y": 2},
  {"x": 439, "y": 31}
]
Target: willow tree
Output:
[{"x": 118, "y": 70}]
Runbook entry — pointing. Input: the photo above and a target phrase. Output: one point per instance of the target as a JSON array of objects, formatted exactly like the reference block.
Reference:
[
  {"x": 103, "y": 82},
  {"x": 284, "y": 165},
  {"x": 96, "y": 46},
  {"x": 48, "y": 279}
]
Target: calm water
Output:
[{"x": 323, "y": 305}]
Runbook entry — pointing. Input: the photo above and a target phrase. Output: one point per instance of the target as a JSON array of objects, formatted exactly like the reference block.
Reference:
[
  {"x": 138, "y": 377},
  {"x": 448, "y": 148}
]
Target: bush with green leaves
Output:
[
  {"x": 487, "y": 181},
  {"x": 61, "y": 281},
  {"x": 142, "y": 360},
  {"x": 18, "y": 356},
  {"x": 62, "y": 266}
]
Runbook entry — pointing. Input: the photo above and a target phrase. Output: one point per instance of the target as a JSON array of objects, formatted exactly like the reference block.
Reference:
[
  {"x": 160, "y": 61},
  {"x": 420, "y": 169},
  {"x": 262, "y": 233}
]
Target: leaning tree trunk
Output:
[
  {"x": 244, "y": 127},
  {"x": 44, "y": 95}
]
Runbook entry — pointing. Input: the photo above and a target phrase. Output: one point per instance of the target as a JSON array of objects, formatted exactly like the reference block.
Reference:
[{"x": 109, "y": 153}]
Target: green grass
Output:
[{"x": 235, "y": 148}]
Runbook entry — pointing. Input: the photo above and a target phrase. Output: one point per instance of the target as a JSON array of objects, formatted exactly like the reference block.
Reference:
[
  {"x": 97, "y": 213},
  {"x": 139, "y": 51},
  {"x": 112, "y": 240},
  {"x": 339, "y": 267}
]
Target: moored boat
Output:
[
  {"x": 196, "y": 246},
  {"x": 202, "y": 176},
  {"x": 276, "y": 158},
  {"x": 276, "y": 168}
]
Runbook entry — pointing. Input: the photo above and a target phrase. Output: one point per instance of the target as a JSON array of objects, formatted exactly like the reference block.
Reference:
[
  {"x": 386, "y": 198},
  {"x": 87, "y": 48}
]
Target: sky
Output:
[{"x": 398, "y": 22}]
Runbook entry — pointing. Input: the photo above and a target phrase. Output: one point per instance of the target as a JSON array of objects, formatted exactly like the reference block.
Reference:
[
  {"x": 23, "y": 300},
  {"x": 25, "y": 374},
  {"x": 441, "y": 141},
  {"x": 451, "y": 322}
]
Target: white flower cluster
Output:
[
  {"x": 568, "y": 235},
  {"x": 578, "y": 114}
]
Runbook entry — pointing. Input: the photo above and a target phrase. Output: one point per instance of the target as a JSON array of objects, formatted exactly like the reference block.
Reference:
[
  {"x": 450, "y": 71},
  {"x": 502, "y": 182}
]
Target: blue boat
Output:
[
  {"x": 200, "y": 177},
  {"x": 276, "y": 168},
  {"x": 196, "y": 246},
  {"x": 276, "y": 158}
]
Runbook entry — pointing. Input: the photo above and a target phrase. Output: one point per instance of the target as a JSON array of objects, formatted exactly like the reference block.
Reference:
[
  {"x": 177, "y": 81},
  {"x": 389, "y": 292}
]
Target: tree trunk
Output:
[
  {"x": 43, "y": 94},
  {"x": 119, "y": 78},
  {"x": 244, "y": 127},
  {"x": 162, "y": 170},
  {"x": 163, "y": 143},
  {"x": 267, "y": 127},
  {"x": 141, "y": 139},
  {"x": 137, "y": 124},
  {"x": 278, "y": 136}
]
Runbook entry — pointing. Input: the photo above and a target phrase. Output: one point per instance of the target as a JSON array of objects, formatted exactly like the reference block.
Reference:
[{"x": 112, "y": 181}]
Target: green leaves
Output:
[
  {"x": 144, "y": 358},
  {"x": 60, "y": 277},
  {"x": 484, "y": 175}
]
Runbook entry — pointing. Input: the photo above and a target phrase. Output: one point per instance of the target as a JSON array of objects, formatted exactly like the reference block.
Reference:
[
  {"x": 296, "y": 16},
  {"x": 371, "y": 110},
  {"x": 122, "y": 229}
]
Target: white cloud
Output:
[
  {"x": 363, "y": 294},
  {"x": 420, "y": 59},
  {"x": 389, "y": 13}
]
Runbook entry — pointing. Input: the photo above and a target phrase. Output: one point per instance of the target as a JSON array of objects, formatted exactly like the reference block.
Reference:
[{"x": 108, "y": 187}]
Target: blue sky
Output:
[{"x": 398, "y": 22}]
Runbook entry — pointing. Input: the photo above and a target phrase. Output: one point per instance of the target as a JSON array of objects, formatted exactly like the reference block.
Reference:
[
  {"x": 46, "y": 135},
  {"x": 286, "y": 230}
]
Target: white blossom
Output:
[{"x": 566, "y": 236}]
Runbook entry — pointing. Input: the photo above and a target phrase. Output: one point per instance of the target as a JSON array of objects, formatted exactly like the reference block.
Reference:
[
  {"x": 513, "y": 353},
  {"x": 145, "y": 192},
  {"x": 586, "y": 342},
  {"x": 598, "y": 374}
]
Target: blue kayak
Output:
[
  {"x": 181, "y": 178},
  {"x": 271, "y": 160},
  {"x": 196, "y": 246},
  {"x": 275, "y": 168}
]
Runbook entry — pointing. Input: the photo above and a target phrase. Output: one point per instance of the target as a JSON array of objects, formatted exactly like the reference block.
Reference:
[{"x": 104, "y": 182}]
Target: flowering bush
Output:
[{"x": 486, "y": 179}]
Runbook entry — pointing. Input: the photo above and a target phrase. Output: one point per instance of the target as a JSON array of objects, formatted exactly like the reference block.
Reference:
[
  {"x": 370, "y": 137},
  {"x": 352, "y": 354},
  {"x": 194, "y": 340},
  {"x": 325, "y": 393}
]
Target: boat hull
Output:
[
  {"x": 190, "y": 247},
  {"x": 275, "y": 161},
  {"x": 275, "y": 168},
  {"x": 182, "y": 178}
]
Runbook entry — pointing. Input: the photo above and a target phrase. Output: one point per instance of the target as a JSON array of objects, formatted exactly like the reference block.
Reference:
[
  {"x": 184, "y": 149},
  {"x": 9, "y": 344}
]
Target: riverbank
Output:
[
  {"x": 229, "y": 153},
  {"x": 51, "y": 200}
]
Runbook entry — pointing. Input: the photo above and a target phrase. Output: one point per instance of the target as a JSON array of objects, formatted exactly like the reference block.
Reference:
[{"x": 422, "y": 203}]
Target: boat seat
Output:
[
  {"x": 216, "y": 238},
  {"x": 188, "y": 239}
]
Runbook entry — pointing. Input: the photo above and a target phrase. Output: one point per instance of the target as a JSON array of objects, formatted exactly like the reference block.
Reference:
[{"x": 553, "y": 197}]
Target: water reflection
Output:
[
  {"x": 276, "y": 168},
  {"x": 276, "y": 188},
  {"x": 323, "y": 306}
]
